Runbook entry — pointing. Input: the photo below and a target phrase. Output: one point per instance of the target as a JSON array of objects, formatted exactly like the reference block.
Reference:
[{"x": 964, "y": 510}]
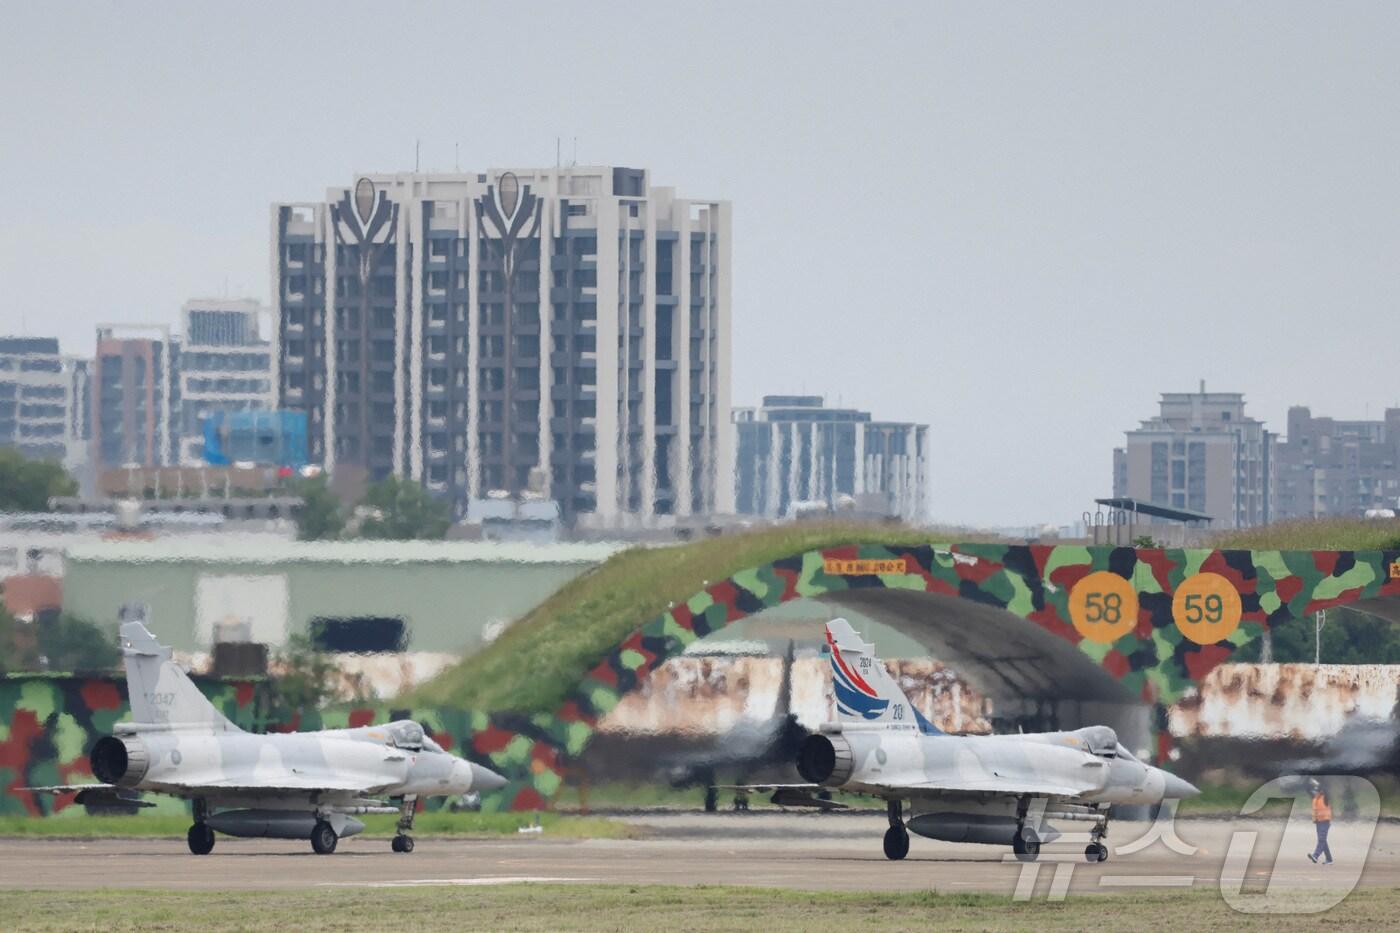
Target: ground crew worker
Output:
[{"x": 1322, "y": 819}]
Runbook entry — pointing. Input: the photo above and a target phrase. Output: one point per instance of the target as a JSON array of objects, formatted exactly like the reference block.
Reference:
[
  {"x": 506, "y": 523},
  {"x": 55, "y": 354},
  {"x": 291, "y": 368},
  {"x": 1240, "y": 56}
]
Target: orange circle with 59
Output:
[
  {"x": 1206, "y": 608},
  {"x": 1103, "y": 607}
]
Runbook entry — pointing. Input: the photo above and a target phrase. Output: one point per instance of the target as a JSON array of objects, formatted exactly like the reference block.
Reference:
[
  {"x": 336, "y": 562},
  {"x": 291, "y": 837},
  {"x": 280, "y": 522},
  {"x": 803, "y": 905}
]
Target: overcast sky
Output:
[{"x": 1018, "y": 223}]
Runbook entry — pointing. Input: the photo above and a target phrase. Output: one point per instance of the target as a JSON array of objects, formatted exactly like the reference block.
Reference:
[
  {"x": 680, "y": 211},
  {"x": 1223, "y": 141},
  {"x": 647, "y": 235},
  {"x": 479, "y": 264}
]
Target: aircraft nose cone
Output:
[
  {"x": 484, "y": 779},
  {"x": 1177, "y": 789}
]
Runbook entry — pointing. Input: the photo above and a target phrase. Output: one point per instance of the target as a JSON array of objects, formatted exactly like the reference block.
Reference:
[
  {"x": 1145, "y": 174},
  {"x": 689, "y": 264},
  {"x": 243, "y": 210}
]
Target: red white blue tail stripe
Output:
[{"x": 854, "y": 695}]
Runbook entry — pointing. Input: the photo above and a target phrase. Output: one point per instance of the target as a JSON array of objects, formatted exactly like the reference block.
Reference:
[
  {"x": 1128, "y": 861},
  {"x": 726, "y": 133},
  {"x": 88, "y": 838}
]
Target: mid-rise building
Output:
[
  {"x": 1204, "y": 454},
  {"x": 225, "y": 366},
  {"x": 1329, "y": 467},
  {"x": 794, "y": 451},
  {"x": 135, "y": 396},
  {"x": 43, "y": 406},
  {"x": 474, "y": 330}
]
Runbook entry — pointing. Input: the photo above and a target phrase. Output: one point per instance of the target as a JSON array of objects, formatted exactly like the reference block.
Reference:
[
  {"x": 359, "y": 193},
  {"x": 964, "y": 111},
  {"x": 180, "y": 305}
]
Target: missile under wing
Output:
[
  {"x": 307, "y": 785},
  {"x": 1000, "y": 789}
]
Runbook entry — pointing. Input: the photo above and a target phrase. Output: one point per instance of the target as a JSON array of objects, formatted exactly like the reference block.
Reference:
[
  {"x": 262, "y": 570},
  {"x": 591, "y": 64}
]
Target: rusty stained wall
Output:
[
  {"x": 708, "y": 695},
  {"x": 700, "y": 696},
  {"x": 1307, "y": 702}
]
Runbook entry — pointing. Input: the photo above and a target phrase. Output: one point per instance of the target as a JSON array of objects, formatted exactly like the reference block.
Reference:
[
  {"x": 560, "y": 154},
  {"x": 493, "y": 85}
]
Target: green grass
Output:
[
  {"x": 1227, "y": 800},
  {"x": 1324, "y": 534},
  {"x": 436, "y": 823},
  {"x": 626, "y": 907},
  {"x": 540, "y": 658}
]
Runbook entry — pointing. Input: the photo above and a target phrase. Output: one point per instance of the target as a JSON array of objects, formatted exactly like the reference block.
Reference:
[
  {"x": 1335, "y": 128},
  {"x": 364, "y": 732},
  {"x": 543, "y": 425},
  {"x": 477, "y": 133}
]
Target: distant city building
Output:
[
  {"x": 1203, "y": 453},
  {"x": 465, "y": 329},
  {"x": 43, "y": 401},
  {"x": 135, "y": 396},
  {"x": 225, "y": 366},
  {"x": 794, "y": 452},
  {"x": 265, "y": 438},
  {"x": 1328, "y": 467}
]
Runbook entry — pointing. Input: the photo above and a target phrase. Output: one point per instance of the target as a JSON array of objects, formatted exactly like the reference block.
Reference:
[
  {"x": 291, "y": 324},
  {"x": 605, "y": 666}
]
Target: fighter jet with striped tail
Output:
[
  {"x": 996, "y": 789},
  {"x": 304, "y": 785}
]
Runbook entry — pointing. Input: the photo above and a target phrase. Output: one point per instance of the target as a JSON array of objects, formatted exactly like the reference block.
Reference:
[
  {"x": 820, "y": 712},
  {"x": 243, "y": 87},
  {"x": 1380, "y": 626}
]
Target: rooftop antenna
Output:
[
  {"x": 417, "y": 148},
  {"x": 575, "y": 163},
  {"x": 558, "y": 159},
  {"x": 456, "y": 157}
]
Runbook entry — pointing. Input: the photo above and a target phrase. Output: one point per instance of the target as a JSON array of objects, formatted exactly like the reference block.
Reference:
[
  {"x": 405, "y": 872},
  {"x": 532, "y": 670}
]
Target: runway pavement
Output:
[{"x": 814, "y": 852}]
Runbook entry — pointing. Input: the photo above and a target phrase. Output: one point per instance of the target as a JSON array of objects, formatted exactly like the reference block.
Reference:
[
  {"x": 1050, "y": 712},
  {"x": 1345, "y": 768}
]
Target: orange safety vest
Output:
[{"x": 1322, "y": 813}]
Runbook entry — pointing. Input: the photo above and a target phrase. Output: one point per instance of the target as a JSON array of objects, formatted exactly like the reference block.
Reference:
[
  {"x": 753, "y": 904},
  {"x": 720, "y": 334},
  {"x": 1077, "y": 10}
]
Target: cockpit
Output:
[
  {"x": 408, "y": 735},
  {"x": 1101, "y": 741}
]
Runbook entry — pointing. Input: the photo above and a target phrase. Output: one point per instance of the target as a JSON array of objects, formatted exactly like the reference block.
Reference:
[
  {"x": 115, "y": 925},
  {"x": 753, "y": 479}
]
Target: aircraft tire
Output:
[
  {"x": 402, "y": 844},
  {"x": 896, "y": 843},
  {"x": 323, "y": 838},
  {"x": 201, "y": 839},
  {"x": 1096, "y": 852},
  {"x": 1027, "y": 850}
]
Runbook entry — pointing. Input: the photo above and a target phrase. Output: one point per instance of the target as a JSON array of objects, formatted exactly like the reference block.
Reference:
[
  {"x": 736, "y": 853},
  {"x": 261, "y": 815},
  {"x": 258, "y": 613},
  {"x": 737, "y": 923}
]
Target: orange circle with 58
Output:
[
  {"x": 1103, "y": 607},
  {"x": 1207, "y": 608}
]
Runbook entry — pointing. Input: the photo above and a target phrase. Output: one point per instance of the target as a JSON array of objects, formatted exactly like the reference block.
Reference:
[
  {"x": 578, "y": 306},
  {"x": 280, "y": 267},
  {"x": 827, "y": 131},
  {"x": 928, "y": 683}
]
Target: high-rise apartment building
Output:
[
  {"x": 43, "y": 402},
  {"x": 1202, "y": 453},
  {"x": 794, "y": 450},
  {"x": 562, "y": 329},
  {"x": 135, "y": 396},
  {"x": 1329, "y": 467},
  {"x": 225, "y": 366}
]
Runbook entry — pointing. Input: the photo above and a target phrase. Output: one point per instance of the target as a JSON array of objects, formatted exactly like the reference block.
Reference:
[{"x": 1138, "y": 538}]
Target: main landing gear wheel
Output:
[
  {"x": 402, "y": 844},
  {"x": 323, "y": 838},
  {"x": 1096, "y": 852},
  {"x": 201, "y": 839},
  {"x": 896, "y": 843},
  {"x": 896, "y": 837},
  {"x": 1027, "y": 850}
]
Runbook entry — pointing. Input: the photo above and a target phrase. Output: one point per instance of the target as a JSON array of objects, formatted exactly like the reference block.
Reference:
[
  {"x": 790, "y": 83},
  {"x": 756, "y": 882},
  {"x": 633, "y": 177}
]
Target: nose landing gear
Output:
[
  {"x": 1096, "y": 851},
  {"x": 403, "y": 842}
]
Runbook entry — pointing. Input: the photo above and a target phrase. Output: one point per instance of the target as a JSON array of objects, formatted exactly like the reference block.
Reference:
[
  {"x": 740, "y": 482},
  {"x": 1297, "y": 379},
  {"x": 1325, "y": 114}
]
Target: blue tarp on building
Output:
[{"x": 266, "y": 438}]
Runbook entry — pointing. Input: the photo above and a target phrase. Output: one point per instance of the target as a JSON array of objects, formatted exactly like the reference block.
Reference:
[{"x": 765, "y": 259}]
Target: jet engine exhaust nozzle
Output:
[
  {"x": 825, "y": 760},
  {"x": 122, "y": 762}
]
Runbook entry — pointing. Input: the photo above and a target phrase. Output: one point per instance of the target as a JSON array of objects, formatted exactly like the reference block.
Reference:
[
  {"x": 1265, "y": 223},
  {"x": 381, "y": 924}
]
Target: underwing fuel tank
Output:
[
  {"x": 274, "y": 824},
  {"x": 990, "y": 829}
]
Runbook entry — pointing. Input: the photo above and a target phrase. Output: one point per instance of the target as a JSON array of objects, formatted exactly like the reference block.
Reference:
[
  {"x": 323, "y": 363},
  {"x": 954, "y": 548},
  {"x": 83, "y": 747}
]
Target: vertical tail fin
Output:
[
  {"x": 161, "y": 694},
  {"x": 865, "y": 691},
  {"x": 784, "y": 703}
]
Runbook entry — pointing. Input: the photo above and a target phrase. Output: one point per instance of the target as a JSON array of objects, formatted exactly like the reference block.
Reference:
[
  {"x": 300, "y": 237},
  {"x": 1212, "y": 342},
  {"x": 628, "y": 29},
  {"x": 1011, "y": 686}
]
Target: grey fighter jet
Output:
[
  {"x": 307, "y": 785},
  {"x": 997, "y": 789},
  {"x": 749, "y": 748}
]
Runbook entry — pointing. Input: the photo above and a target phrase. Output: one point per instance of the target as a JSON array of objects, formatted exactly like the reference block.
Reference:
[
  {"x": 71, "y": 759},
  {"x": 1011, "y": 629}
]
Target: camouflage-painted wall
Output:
[
  {"x": 1148, "y": 643},
  {"x": 48, "y": 724}
]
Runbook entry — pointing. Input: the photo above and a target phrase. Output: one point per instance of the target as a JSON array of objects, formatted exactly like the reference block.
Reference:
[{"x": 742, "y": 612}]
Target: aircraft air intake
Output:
[
  {"x": 122, "y": 762},
  {"x": 825, "y": 759}
]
